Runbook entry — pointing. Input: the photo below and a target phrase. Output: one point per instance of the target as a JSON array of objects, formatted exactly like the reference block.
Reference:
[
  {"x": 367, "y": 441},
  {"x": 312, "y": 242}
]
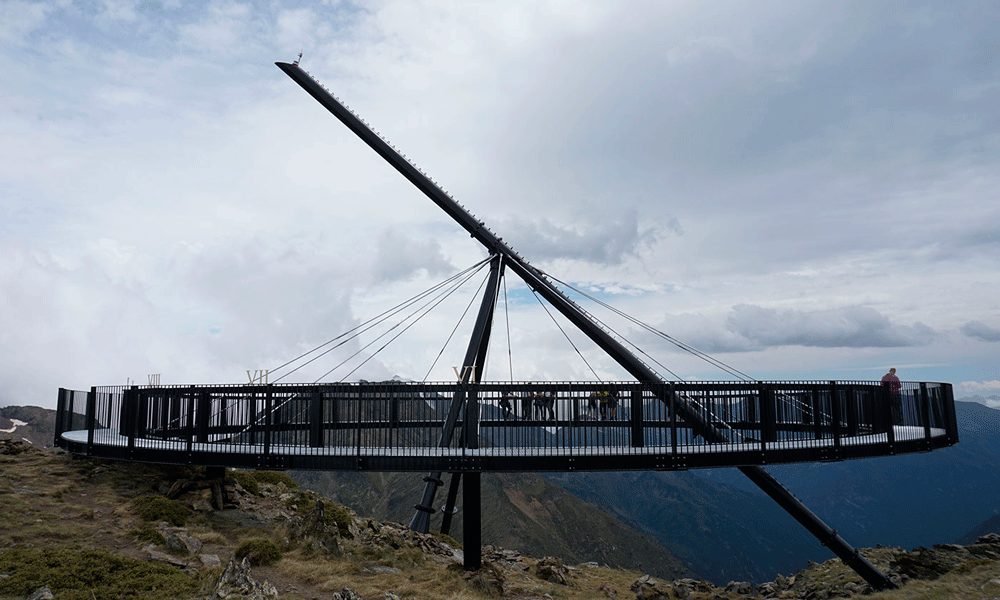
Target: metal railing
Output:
[{"x": 520, "y": 426}]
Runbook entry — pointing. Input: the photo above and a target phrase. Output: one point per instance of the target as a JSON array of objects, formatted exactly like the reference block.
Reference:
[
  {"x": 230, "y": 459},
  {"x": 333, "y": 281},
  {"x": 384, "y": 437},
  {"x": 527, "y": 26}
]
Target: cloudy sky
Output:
[{"x": 802, "y": 190}]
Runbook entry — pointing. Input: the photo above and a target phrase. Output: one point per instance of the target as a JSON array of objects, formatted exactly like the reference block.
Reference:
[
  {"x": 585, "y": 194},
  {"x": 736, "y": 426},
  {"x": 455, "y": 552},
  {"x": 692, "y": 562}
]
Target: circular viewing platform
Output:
[{"x": 520, "y": 426}]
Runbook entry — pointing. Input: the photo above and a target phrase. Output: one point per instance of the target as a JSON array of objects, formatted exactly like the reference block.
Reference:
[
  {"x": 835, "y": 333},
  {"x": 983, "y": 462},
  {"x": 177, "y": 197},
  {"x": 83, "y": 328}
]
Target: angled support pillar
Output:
[
  {"x": 449, "y": 505},
  {"x": 471, "y": 371}
]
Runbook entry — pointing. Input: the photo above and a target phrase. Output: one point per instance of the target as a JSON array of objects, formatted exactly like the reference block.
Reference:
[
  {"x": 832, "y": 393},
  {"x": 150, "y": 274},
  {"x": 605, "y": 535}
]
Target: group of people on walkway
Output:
[
  {"x": 537, "y": 405},
  {"x": 601, "y": 406}
]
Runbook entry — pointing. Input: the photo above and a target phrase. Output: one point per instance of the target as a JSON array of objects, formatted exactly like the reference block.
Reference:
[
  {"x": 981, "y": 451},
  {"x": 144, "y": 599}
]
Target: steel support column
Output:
[
  {"x": 471, "y": 370},
  {"x": 472, "y": 534}
]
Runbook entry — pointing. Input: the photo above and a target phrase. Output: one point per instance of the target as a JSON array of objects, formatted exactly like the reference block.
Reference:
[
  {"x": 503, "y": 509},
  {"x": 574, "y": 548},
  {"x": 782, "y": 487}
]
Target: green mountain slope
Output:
[
  {"x": 523, "y": 512},
  {"x": 721, "y": 533}
]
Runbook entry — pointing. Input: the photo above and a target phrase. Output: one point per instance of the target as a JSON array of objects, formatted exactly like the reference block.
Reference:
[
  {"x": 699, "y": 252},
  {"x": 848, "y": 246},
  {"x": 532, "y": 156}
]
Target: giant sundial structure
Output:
[{"x": 470, "y": 426}]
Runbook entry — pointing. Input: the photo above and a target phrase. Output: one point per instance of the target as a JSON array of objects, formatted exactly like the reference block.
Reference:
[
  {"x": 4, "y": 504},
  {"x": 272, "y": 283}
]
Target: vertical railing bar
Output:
[
  {"x": 316, "y": 419},
  {"x": 764, "y": 410},
  {"x": 673, "y": 418},
  {"x": 268, "y": 408},
  {"x": 70, "y": 410},
  {"x": 91, "y": 418},
  {"x": 129, "y": 412},
  {"x": 60, "y": 416},
  {"x": 888, "y": 413},
  {"x": 926, "y": 409},
  {"x": 835, "y": 411},
  {"x": 189, "y": 428}
]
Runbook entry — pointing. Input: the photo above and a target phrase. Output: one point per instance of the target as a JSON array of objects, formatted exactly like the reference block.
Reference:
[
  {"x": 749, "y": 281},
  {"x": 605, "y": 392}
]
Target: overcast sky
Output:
[{"x": 802, "y": 190}]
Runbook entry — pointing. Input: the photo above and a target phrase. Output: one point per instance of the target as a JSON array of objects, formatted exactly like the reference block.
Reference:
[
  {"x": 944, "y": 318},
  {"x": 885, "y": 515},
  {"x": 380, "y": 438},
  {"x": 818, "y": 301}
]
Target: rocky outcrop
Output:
[
  {"x": 314, "y": 531},
  {"x": 12, "y": 447},
  {"x": 237, "y": 584},
  {"x": 832, "y": 579},
  {"x": 553, "y": 570},
  {"x": 931, "y": 563},
  {"x": 42, "y": 593},
  {"x": 647, "y": 588},
  {"x": 398, "y": 536},
  {"x": 489, "y": 579},
  {"x": 180, "y": 542}
]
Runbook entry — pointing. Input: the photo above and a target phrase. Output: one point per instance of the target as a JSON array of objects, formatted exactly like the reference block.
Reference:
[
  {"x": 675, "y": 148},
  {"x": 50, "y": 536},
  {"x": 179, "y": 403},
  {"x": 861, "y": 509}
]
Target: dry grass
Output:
[
  {"x": 334, "y": 574},
  {"x": 980, "y": 583},
  {"x": 210, "y": 537}
]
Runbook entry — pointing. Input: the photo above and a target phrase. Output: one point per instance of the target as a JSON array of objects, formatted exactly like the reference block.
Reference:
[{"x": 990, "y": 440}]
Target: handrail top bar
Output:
[{"x": 541, "y": 385}]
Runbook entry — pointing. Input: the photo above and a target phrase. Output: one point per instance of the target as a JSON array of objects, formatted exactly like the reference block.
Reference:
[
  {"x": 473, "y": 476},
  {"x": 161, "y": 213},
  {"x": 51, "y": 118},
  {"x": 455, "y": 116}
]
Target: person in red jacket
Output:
[{"x": 892, "y": 386}]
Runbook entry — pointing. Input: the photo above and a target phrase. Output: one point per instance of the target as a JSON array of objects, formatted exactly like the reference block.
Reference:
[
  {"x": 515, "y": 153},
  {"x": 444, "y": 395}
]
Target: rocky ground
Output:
[{"x": 182, "y": 534}]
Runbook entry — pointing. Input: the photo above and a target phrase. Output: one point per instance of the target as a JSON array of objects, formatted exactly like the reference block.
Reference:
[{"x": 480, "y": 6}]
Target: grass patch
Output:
[
  {"x": 304, "y": 502},
  {"x": 212, "y": 537},
  {"x": 60, "y": 493},
  {"x": 335, "y": 514},
  {"x": 149, "y": 535},
  {"x": 444, "y": 537},
  {"x": 274, "y": 478},
  {"x": 971, "y": 565},
  {"x": 90, "y": 575},
  {"x": 246, "y": 480},
  {"x": 259, "y": 551},
  {"x": 158, "y": 508},
  {"x": 59, "y": 531}
]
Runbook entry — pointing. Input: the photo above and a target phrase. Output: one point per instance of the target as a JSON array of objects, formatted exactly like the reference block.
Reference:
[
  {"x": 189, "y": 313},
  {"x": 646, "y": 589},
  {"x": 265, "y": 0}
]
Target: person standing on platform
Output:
[
  {"x": 613, "y": 404},
  {"x": 506, "y": 406},
  {"x": 893, "y": 387}
]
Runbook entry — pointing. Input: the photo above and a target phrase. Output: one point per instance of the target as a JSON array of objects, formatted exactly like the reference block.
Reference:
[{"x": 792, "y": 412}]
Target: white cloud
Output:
[
  {"x": 224, "y": 30},
  {"x": 120, "y": 10},
  {"x": 399, "y": 257},
  {"x": 851, "y": 326},
  {"x": 296, "y": 29},
  {"x": 979, "y": 387},
  {"x": 19, "y": 19},
  {"x": 981, "y": 331},
  {"x": 833, "y": 172},
  {"x": 608, "y": 242}
]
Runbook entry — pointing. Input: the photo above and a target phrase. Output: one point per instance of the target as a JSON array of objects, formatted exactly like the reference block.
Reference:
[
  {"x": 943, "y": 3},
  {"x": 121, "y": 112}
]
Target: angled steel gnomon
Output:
[{"x": 504, "y": 256}]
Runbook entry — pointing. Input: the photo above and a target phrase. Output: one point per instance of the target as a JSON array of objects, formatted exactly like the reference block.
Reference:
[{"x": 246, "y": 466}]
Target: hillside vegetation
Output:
[{"x": 95, "y": 529}]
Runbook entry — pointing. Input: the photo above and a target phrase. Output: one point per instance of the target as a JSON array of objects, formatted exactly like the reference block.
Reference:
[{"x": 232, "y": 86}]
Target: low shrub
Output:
[
  {"x": 158, "y": 508},
  {"x": 259, "y": 551},
  {"x": 150, "y": 535},
  {"x": 87, "y": 574},
  {"x": 335, "y": 514},
  {"x": 274, "y": 478},
  {"x": 246, "y": 480},
  {"x": 444, "y": 537},
  {"x": 305, "y": 501}
]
